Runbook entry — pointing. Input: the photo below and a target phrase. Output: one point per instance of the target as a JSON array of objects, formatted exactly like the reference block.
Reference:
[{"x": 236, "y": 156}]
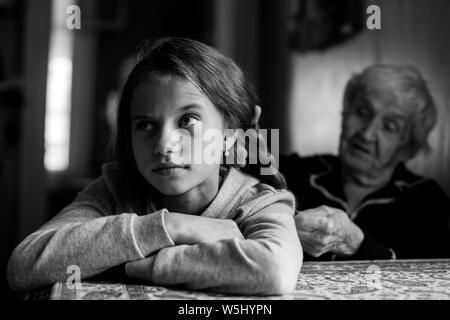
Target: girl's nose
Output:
[{"x": 168, "y": 141}]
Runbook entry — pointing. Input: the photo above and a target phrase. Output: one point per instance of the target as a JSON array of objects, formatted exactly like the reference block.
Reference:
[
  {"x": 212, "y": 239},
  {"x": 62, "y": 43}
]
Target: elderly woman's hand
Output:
[{"x": 325, "y": 229}]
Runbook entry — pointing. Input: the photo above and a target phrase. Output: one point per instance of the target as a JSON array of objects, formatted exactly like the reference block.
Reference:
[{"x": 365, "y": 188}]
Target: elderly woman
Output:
[{"x": 365, "y": 203}]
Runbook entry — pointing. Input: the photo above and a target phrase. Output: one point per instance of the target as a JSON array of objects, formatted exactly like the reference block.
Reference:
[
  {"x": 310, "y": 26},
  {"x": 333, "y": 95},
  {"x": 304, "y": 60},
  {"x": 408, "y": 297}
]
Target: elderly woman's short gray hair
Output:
[{"x": 410, "y": 88}]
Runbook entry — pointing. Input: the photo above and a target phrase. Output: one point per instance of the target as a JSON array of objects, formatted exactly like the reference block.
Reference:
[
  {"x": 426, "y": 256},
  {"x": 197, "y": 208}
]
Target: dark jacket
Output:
[{"x": 406, "y": 219}]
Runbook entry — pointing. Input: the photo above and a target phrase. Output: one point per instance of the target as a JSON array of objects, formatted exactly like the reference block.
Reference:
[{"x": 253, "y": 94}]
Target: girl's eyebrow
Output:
[
  {"x": 193, "y": 106},
  {"x": 142, "y": 117},
  {"x": 190, "y": 107}
]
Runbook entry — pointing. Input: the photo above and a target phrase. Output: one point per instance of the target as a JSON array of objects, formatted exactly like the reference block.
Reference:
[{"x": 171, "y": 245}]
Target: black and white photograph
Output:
[{"x": 236, "y": 152}]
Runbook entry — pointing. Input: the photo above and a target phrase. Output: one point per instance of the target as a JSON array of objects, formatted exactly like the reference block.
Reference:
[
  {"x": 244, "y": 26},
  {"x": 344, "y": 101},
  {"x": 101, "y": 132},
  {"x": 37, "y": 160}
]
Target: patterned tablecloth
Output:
[{"x": 392, "y": 280}]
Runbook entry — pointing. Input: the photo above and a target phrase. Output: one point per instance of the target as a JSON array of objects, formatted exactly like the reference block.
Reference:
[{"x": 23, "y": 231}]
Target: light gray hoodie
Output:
[{"x": 95, "y": 234}]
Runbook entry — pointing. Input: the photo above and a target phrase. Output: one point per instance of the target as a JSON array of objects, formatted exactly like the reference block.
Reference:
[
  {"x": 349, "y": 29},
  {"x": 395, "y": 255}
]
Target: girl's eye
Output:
[
  {"x": 144, "y": 126},
  {"x": 188, "y": 121}
]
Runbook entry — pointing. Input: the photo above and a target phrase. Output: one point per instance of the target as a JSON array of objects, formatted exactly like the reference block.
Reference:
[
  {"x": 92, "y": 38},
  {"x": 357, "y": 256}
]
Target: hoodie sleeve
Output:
[
  {"x": 86, "y": 234},
  {"x": 267, "y": 262}
]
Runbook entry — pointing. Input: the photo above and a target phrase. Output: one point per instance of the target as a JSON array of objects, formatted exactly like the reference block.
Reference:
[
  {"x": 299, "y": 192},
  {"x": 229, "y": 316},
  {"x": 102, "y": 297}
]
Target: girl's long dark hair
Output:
[{"x": 220, "y": 79}]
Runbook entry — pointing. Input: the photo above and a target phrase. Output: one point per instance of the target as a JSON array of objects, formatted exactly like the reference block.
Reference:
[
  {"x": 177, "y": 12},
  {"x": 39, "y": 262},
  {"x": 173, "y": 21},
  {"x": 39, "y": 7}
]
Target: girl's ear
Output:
[{"x": 255, "y": 121}]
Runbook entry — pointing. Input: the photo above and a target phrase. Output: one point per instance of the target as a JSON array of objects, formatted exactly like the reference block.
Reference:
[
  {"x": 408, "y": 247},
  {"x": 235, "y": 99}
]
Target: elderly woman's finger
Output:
[
  {"x": 312, "y": 243},
  {"x": 312, "y": 220}
]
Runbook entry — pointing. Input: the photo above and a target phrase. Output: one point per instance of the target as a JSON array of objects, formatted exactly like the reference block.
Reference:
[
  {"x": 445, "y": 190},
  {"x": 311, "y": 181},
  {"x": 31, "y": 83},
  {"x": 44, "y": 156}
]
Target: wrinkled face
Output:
[
  {"x": 374, "y": 133},
  {"x": 168, "y": 116}
]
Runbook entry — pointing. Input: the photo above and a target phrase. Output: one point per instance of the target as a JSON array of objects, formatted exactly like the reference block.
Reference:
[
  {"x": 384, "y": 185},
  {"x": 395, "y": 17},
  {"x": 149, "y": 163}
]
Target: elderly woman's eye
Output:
[
  {"x": 188, "y": 120},
  {"x": 391, "y": 126},
  {"x": 362, "y": 111}
]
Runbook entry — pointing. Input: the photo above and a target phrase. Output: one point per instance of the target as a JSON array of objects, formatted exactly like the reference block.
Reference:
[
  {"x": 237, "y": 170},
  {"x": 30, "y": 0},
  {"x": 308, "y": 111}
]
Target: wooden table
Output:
[{"x": 373, "y": 280}]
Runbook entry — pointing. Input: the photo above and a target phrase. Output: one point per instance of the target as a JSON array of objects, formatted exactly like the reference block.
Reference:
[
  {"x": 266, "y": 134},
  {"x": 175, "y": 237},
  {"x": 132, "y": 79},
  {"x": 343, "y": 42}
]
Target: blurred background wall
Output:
[
  {"x": 58, "y": 86},
  {"x": 416, "y": 32}
]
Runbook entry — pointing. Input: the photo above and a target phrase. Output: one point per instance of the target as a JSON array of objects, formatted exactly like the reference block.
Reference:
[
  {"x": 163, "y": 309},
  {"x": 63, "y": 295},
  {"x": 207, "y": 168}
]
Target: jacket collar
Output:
[
  {"x": 328, "y": 181},
  {"x": 235, "y": 184}
]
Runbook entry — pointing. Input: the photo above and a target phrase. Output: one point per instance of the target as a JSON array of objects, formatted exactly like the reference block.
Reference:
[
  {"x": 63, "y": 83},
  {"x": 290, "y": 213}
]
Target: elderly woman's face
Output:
[{"x": 374, "y": 131}]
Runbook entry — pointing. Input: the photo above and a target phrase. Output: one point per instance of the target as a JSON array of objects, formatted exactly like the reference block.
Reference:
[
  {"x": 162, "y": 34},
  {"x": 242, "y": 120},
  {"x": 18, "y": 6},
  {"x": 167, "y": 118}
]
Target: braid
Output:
[{"x": 266, "y": 166}]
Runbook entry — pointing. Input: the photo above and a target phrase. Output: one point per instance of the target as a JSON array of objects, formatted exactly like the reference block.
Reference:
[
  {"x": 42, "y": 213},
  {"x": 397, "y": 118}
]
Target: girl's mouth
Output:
[{"x": 170, "y": 170}]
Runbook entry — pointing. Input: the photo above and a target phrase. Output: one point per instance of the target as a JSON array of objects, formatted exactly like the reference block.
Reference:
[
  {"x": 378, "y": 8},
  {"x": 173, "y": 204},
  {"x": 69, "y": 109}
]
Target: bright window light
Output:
[
  {"x": 59, "y": 91},
  {"x": 57, "y": 118}
]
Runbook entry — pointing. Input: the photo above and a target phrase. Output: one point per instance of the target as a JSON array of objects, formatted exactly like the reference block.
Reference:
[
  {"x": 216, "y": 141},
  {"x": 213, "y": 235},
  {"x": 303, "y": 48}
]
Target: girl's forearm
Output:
[
  {"x": 190, "y": 229},
  {"x": 230, "y": 266},
  {"x": 93, "y": 245}
]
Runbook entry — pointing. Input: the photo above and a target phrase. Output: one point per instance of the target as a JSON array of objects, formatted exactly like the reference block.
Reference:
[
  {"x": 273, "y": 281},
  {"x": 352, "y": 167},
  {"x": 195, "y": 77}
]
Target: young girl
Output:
[{"x": 168, "y": 220}]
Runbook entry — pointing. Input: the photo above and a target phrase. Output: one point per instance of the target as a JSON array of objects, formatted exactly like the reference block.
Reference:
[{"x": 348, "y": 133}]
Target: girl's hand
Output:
[{"x": 189, "y": 229}]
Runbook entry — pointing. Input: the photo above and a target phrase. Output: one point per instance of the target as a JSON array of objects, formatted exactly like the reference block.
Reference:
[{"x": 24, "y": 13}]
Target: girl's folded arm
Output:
[
  {"x": 85, "y": 236},
  {"x": 267, "y": 262}
]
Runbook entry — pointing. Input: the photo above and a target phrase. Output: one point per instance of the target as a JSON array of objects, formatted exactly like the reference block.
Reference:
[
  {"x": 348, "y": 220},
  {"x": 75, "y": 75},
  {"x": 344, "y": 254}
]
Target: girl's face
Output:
[{"x": 169, "y": 116}]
